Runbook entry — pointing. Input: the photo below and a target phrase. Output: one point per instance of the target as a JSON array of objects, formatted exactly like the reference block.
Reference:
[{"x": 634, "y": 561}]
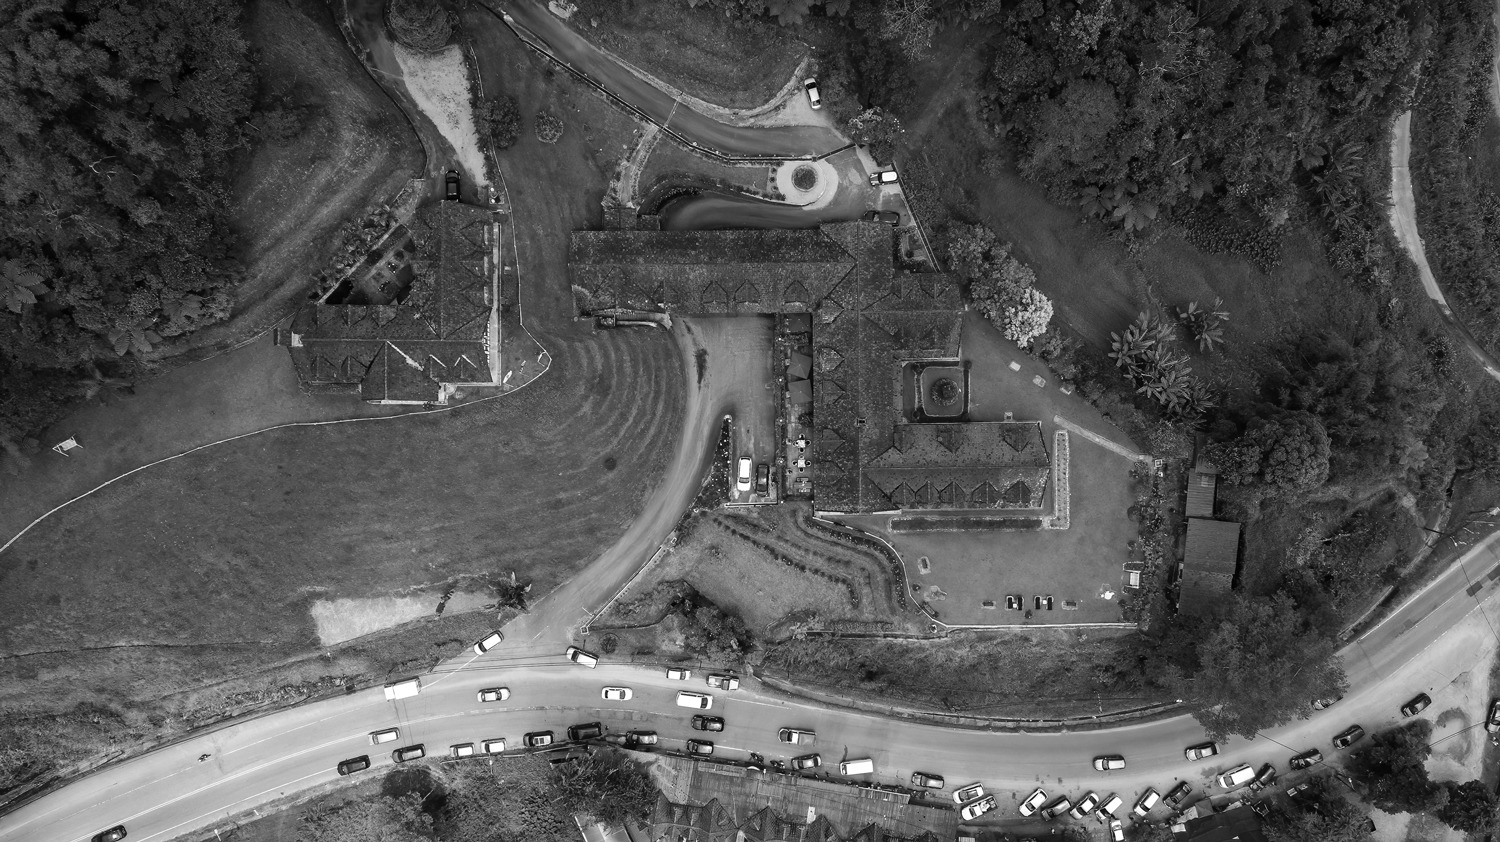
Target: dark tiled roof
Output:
[
  {"x": 998, "y": 464},
  {"x": 1239, "y": 825},
  {"x": 713, "y": 823},
  {"x": 1201, "y": 490},
  {"x": 1208, "y": 563}
]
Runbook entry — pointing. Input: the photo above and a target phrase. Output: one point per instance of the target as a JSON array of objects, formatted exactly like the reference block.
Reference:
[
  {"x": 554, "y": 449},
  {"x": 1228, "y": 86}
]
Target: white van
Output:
[
  {"x": 857, "y": 767},
  {"x": 1236, "y": 777},
  {"x": 389, "y": 735},
  {"x": 403, "y": 689},
  {"x": 697, "y": 701}
]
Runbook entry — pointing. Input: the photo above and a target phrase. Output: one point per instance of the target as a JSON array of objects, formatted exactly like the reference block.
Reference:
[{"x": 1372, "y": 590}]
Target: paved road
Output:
[{"x": 659, "y": 106}]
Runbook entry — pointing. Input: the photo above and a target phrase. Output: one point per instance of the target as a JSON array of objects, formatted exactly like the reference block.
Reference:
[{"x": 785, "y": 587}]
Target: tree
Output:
[
  {"x": 1334, "y": 820},
  {"x": 1295, "y": 452},
  {"x": 19, "y": 286},
  {"x": 1257, "y": 668},
  {"x": 420, "y": 24},
  {"x": 379, "y": 819},
  {"x": 909, "y": 25},
  {"x": 607, "y": 785},
  {"x": 549, "y": 128},
  {"x": 1391, "y": 772},
  {"x": 1471, "y": 807},
  {"x": 877, "y": 129},
  {"x": 500, "y": 120},
  {"x": 1026, "y": 317}
]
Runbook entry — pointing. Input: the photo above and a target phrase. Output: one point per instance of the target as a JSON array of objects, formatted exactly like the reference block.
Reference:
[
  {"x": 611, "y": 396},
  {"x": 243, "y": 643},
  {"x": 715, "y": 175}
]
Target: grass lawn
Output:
[
  {"x": 973, "y": 673},
  {"x": 733, "y": 63}
]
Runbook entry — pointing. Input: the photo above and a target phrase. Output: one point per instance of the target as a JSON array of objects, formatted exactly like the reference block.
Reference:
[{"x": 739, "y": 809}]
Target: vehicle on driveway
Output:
[
  {"x": 1085, "y": 806},
  {"x": 1178, "y": 794},
  {"x": 700, "y": 747},
  {"x": 1305, "y": 759},
  {"x": 742, "y": 476},
  {"x": 1200, "y": 751},
  {"x": 1033, "y": 801},
  {"x": 722, "y": 681},
  {"x": 1109, "y": 763},
  {"x": 354, "y": 764},
  {"x": 883, "y": 177},
  {"x": 537, "y": 739},
  {"x": 1056, "y": 808},
  {"x": 617, "y": 694},
  {"x": 813, "y": 97},
  {"x": 888, "y": 217},
  {"x": 494, "y": 694},
  {"x": 967, "y": 793},
  {"x": 488, "y": 642},
  {"x": 1416, "y": 705},
  {"x": 926, "y": 781},
  {"x": 679, "y": 674},
  {"x": 807, "y": 761},
  {"x": 1349, "y": 736},
  {"x": 707, "y": 723},
  {"x": 1146, "y": 803},
  {"x": 974, "y": 809},
  {"x": 796, "y": 736},
  {"x": 1236, "y": 777},
  {"x": 114, "y": 834},
  {"x": 582, "y": 658},
  {"x": 1492, "y": 724},
  {"x": 450, "y": 185}
]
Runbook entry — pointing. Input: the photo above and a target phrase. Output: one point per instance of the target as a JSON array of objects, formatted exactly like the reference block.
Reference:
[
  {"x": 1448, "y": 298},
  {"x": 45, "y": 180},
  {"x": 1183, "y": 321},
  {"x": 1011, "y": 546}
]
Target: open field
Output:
[{"x": 733, "y": 63}]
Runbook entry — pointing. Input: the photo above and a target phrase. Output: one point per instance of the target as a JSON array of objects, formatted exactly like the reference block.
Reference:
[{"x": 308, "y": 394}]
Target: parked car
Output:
[
  {"x": 1109, "y": 763},
  {"x": 114, "y": 834},
  {"x": 797, "y": 737},
  {"x": 1056, "y": 808},
  {"x": 967, "y": 793},
  {"x": 1264, "y": 778},
  {"x": 1085, "y": 806},
  {"x": 494, "y": 694},
  {"x": 582, "y": 658},
  {"x": 1200, "y": 751},
  {"x": 1348, "y": 737},
  {"x": 1305, "y": 759},
  {"x": 416, "y": 752},
  {"x": 1178, "y": 794},
  {"x": 1111, "y": 807},
  {"x": 813, "y": 97},
  {"x": 707, "y": 723},
  {"x": 387, "y": 736},
  {"x": 1033, "y": 801},
  {"x": 1013, "y": 602},
  {"x": 488, "y": 642},
  {"x": 354, "y": 764},
  {"x": 806, "y": 761},
  {"x": 643, "y": 738},
  {"x": 1116, "y": 831},
  {"x": 882, "y": 178},
  {"x": 888, "y": 217},
  {"x": 1492, "y": 724},
  {"x": 742, "y": 476},
  {"x": 461, "y": 750},
  {"x": 450, "y": 185},
  {"x": 585, "y": 731},
  {"x": 617, "y": 694},
  {"x": 537, "y": 739},
  {"x": 1236, "y": 777},
  {"x": 974, "y": 809},
  {"x": 676, "y": 674},
  {"x": 495, "y": 746},
  {"x": 1324, "y": 704},
  {"x": 1148, "y": 801},
  {"x": 702, "y": 747},
  {"x": 927, "y": 781},
  {"x": 1416, "y": 705},
  {"x": 722, "y": 681}
]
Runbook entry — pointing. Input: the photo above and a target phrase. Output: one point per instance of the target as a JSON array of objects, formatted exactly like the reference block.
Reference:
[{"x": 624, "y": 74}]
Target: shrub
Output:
[
  {"x": 500, "y": 120},
  {"x": 419, "y": 24},
  {"x": 805, "y": 178},
  {"x": 549, "y": 129}
]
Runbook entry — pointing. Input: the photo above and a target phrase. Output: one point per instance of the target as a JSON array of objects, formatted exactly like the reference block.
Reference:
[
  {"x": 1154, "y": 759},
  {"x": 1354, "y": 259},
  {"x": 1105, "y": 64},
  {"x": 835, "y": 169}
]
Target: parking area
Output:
[{"x": 739, "y": 350}]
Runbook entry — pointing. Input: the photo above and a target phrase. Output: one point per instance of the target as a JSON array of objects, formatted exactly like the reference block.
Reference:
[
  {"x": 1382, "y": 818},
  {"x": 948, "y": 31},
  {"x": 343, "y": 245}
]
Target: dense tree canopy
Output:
[
  {"x": 1472, "y": 807},
  {"x": 1331, "y": 820},
  {"x": 1391, "y": 771},
  {"x": 380, "y": 819}
]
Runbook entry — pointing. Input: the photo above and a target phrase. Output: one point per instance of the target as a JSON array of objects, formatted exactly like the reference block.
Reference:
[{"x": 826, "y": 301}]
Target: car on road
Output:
[
  {"x": 354, "y": 764},
  {"x": 1033, "y": 801},
  {"x": 797, "y": 736},
  {"x": 1305, "y": 759},
  {"x": 495, "y": 746},
  {"x": 974, "y": 809},
  {"x": 1200, "y": 751},
  {"x": 883, "y": 177},
  {"x": 494, "y": 694},
  {"x": 1109, "y": 763},
  {"x": 461, "y": 750},
  {"x": 1110, "y": 807},
  {"x": 813, "y": 97},
  {"x": 1416, "y": 705},
  {"x": 926, "y": 781},
  {"x": 537, "y": 739},
  {"x": 722, "y": 681},
  {"x": 1178, "y": 794},
  {"x": 1013, "y": 602},
  {"x": 742, "y": 476},
  {"x": 488, "y": 642},
  {"x": 114, "y": 834},
  {"x": 967, "y": 793},
  {"x": 1492, "y": 724},
  {"x": 703, "y": 747},
  {"x": 807, "y": 761},
  {"x": 698, "y": 701},
  {"x": 1146, "y": 803},
  {"x": 1085, "y": 806},
  {"x": 888, "y": 217},
  {"x": 708, "y": 723},
  {"x": 1348, "y": 737},
  {"x": 1264, "y": 778},
  {"x": 450, "y": 185},
  {"x": 1056, "y": 808},
  {"x": 678, "y": 674},
  {"x": 1116, "y": 831},
  {"x": 582, "y": 658},
  {"x": 1325, "y": 704},
  {"x": 643, "y": 738},
  {"x": 617, "y": 694},
  {"x": 585, "y": 731},
  {"x": 386, "y": 736},
  {"x": 1236, "y": 777},
  {"x": 416, "y": 752}
]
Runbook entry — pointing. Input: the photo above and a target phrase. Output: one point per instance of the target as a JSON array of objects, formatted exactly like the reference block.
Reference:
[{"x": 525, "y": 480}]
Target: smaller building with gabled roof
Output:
[{"x": 1209, "y": 562}]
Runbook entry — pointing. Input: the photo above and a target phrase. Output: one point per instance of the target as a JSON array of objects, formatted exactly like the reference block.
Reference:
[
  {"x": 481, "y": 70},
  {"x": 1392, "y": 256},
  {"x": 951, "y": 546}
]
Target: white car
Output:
[
  {"x": 975, "y": 809},
  {"x": 1116, "y": 831},
  {"x": 742, "y": 477},
  {"x": 489, "y": 642},
  {"x": 968, "y": 793},
  {"x": 1200, "y": 751},
  {"x": 461, "y": 750},
  {"x": 1085, "y": 806},
  {"x": 1033, "y": 801},
  {"x": 883, "y": 177},
  {"x": 582, "y": 658},
  {"x": 495, "y": 746},
  {"x": 676, "y": 674},
  {"x": 617, "y": 694},
  {"x": 1149, "y": 799},
  {"x": 386, "y": 736},
  {"x": 494, "y": 694},
  {"x": 813, "y": 99},
  {"x": 722, "y": 681},
  {"x": 797, "y": 737}
]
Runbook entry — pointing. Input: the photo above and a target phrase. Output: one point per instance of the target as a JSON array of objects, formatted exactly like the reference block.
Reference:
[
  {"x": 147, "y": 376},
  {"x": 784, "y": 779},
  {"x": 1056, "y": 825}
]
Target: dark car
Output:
[
  {"x": 888, "y": 217},
  {"x": 450, "y": 185},
  {"x": 700, "y": 747},
  {"x": 923, "y": 779},
  {"x": 586, "y": 731},
  {"x": 354, "y": 764},
  {"x": 807, "y": 761},
  {"x": 1349, "y": 736},
  {"x": 1306, "y": 759},
  {"x": 1264, "y": 778},
  {"x": 1416, "y": 705},
  {"x": 1492, "y": 724},
  {"x": 1179, "y": 793},
  {"x": 537, "y": 739},
  {"x": 114, "y": 834},
  {"x": 708, "y": 723},
  {"x": 416, "y": 752}
]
